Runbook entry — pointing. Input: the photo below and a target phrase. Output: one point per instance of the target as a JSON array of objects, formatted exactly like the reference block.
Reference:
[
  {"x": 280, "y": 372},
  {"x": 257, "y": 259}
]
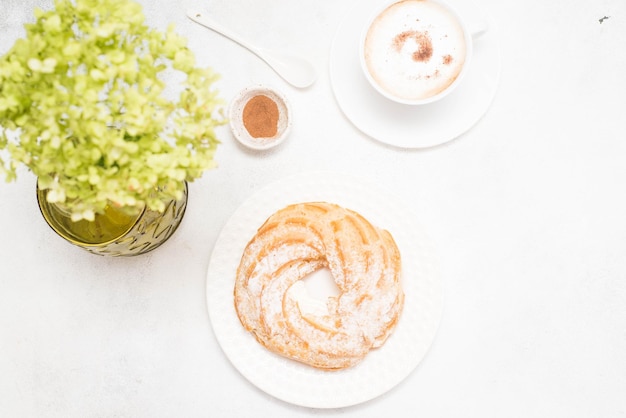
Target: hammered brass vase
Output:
[{"x": 115, "y": 233}]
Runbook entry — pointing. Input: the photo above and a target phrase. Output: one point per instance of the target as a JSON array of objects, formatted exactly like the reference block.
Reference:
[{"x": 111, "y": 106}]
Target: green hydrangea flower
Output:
[{"x": 84, "y": 106}]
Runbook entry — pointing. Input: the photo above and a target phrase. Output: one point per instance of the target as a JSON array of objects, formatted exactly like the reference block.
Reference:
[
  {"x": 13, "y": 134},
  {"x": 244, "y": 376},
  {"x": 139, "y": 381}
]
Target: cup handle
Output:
[{"x": 478, "y": 28}]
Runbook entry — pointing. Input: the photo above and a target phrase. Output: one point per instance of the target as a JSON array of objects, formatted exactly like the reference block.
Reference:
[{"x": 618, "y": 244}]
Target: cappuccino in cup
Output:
[{"x": 415, "y": 51}]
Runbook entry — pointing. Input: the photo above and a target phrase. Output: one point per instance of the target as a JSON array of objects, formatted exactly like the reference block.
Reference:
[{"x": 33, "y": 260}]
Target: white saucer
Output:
[
  {"x": 409, "y": 126},
  {"x": 383, "y": 368}
]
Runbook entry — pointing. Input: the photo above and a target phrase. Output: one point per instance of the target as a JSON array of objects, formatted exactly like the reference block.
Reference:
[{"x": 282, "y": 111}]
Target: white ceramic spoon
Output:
[{"x": 295, "y": 70}]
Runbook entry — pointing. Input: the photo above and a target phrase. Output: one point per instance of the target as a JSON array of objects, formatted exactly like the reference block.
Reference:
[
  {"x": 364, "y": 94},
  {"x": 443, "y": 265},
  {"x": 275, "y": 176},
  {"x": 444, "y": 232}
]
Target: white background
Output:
[{"x": 527, "y": 211}]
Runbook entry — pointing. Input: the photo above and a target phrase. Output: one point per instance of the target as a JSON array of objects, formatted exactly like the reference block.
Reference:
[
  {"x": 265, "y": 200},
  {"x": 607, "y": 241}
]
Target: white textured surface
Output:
[
  {"x": 383, "y": 368},
  {"x": 526, "y": 210}
]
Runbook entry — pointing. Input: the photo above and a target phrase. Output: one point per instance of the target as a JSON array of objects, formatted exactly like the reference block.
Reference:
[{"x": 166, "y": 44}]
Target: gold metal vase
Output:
[{"x": 115, "y": 233}]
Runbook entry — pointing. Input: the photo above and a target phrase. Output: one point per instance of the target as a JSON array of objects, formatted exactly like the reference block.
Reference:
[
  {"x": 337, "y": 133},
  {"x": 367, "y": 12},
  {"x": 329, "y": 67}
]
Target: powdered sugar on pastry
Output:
[{"x": 298, "y": 240}]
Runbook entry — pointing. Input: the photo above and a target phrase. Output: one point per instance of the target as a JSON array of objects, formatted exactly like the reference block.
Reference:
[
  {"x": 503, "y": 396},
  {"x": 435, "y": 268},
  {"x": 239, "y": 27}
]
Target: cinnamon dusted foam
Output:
[{"x": 415, "y": 49}]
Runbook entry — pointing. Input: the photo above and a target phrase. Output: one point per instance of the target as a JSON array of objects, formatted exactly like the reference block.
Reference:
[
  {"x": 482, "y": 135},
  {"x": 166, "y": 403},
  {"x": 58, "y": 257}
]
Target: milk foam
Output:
[{"x": 415, "y": 49}]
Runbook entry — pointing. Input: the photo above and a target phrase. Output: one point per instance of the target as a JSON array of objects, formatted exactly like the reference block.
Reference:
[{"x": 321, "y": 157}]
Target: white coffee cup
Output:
[{"x": 415, "y": 51}]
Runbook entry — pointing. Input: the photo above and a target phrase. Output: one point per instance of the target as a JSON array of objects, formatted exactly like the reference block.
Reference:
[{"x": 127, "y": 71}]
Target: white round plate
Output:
[
  {"x": 412, "y": 126},
  {"x": 383, "y": 368}
]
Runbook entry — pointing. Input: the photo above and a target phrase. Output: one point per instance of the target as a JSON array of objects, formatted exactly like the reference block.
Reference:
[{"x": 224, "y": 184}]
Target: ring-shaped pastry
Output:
[{"x": 364, "y": 262}]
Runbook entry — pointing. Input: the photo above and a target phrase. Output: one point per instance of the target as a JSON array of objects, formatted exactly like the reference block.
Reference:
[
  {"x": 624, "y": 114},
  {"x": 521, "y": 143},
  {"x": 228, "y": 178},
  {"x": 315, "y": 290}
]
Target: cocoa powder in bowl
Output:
[{"x": 260, "y": 117}]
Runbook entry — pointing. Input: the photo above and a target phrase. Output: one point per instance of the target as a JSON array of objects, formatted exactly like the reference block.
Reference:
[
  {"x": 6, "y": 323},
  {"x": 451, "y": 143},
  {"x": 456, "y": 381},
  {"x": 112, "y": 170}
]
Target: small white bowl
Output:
[{"x": 236, "y": 118}]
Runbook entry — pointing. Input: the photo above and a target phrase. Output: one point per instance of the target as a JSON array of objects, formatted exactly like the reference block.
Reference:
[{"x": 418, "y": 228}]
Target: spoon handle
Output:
[
  {"x": 205, "y": 21},
  {"x": 295, "y": 70}
]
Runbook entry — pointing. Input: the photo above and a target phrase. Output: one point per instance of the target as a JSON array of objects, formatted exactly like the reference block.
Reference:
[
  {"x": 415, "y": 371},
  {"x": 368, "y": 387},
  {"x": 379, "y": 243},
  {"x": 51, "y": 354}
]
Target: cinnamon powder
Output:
[
  {"x": 260, "y": 117},
  {"x": 425, "y": 50}
]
